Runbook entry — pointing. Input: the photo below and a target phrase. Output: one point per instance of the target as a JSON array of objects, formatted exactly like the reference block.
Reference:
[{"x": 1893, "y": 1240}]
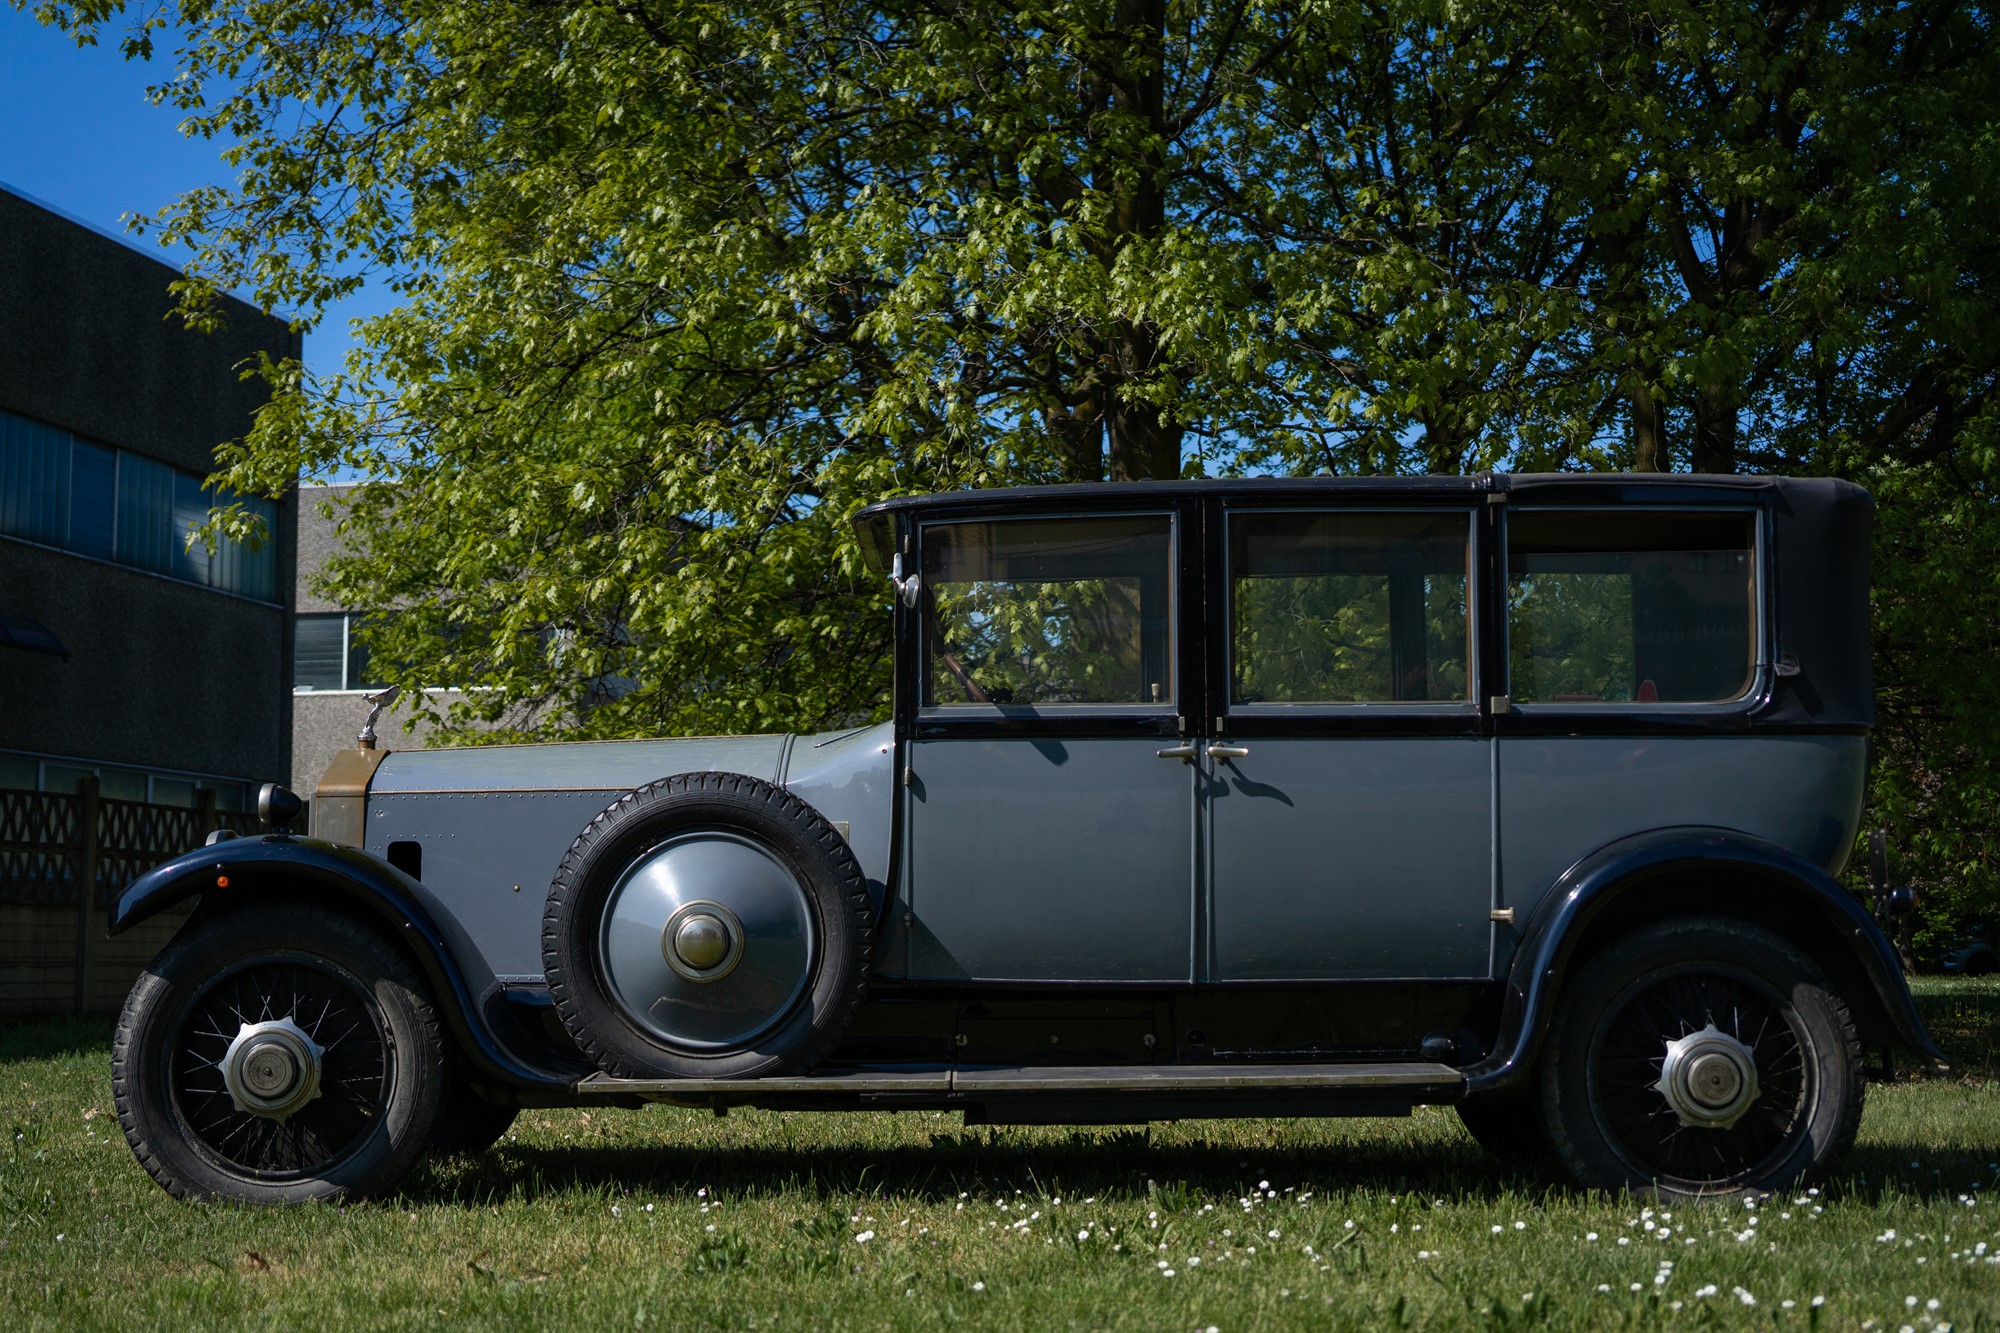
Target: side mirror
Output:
[{"x": 277, "y": 808}]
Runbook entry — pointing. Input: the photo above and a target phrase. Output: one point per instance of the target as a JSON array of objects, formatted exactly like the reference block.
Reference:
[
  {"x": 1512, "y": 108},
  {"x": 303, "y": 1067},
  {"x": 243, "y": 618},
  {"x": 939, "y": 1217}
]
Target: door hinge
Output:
[
  {"x": 1504, "y": 915},
  {"x": 909, "y": 775},
  {"x": 1499, "y": 704}
]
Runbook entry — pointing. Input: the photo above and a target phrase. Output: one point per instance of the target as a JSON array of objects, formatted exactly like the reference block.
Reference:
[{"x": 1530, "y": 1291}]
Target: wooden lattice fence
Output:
[
  {"x": 54, "y": 953},
  {"x": 44, "y": 850}
]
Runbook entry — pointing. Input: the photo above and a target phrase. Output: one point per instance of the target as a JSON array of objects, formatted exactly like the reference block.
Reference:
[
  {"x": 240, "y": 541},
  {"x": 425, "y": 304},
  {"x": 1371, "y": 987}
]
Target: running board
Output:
[{"x": 1067, "y": 1094}]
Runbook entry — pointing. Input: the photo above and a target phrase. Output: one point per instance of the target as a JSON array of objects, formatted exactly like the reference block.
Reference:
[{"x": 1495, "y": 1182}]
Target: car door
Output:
[
  {"x": 1348, "y": 785},
  {"x": 1047, "y": 837}
]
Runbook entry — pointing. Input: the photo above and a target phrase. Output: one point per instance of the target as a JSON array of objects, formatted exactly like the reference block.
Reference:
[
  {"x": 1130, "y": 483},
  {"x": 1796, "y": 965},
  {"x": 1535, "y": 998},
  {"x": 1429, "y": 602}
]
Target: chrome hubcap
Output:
[
  {"x": 708, "y": 941},
  {"x": 1709, "y": 1079},
  {"x": 703, "y": 941},
  {"x": 272, "y": 1068}
]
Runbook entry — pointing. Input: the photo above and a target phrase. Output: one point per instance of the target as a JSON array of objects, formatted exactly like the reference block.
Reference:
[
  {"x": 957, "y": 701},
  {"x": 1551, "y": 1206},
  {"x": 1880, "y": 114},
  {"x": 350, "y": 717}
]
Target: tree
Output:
[{"x": 686, "y": 284}]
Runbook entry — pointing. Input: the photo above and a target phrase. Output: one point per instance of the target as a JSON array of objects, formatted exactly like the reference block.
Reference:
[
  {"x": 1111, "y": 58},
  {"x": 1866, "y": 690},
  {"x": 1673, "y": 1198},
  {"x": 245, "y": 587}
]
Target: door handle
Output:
[
  {"x": 1221, "y": 751},
  {"x": 1184, "y": 753}
]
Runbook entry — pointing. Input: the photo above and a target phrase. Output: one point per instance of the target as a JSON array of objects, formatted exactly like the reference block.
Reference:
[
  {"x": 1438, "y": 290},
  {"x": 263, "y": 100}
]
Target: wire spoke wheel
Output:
[
  {"x": 278, "y": 1053},
  {"x": 1700, "y": 1056},
  {"x": 352, "y": 1080},
  {"x": 1629, "y": 1062}
]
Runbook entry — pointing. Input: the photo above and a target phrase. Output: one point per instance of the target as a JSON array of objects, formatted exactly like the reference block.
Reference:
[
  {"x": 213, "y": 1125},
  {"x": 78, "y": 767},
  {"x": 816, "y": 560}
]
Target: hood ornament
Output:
[{"x": 381, "y": 699}]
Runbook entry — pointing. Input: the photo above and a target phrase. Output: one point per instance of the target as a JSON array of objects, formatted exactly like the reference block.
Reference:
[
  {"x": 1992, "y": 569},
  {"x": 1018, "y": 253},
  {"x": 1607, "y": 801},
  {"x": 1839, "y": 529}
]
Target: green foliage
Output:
[{"x": 684, "y": 285}]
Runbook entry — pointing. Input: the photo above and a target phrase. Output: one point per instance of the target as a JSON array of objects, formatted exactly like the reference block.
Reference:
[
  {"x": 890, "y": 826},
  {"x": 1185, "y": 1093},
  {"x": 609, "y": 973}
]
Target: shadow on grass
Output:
[
  {"x": 1110, "y": 1165},
  {"x": 1113, "y": 1166},
  {"x": 53, "y": 1038}
]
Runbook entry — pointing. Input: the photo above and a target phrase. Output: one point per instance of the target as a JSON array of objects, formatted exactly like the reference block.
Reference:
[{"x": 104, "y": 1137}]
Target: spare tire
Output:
[{"x": 709, "y": 925}]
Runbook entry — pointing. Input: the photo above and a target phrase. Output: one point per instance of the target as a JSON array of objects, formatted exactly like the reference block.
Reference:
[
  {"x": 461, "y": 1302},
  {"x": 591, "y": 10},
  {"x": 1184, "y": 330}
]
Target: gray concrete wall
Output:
[
  {"x": 326, "y": 721},
  {"x": 161, "y": 673}
]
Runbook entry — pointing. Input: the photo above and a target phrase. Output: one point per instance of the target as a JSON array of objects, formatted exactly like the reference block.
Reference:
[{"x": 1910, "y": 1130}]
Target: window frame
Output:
[
  {"x": 1221, "y": 626},
  {"x": 1758, "y": 681},
  {"x": 1012, "y": 717}
]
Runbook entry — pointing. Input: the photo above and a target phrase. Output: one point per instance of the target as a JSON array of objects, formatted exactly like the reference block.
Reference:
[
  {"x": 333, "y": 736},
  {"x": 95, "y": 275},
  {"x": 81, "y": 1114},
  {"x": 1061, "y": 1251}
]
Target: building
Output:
[
  {"x": 330, "y": 668},
  {"x": 159, "y": 672}
]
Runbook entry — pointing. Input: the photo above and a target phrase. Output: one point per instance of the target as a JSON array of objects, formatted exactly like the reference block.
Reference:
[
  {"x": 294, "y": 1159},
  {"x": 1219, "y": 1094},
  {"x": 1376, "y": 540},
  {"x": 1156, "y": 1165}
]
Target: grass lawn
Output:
[{"x": 674, "y": 1218}]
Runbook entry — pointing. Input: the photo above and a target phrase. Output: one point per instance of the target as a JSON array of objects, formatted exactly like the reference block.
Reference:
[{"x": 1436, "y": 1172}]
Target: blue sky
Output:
[{"x": 77, "y": 133}]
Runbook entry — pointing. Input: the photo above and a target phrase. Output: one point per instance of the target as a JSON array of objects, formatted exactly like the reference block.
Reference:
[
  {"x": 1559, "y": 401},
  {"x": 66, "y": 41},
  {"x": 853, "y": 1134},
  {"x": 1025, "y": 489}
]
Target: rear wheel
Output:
[
  {"x": 278, "y": 1054},
  {"x": 1701, "y": 1056}
]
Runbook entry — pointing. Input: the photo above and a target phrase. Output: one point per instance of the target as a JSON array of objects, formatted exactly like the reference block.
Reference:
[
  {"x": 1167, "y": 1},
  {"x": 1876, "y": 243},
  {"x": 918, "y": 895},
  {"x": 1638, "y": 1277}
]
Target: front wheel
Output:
[
  {"x": 278, "y": 1054},
  {"x": 1701, "y": 1057}
]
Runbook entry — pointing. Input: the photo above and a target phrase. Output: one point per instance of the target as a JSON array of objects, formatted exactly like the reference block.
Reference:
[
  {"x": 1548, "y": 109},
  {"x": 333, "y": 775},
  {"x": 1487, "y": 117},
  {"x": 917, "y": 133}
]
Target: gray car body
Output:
[
  {"x": 1006, "y": 856},
  {"x": 495, "y": 822}
]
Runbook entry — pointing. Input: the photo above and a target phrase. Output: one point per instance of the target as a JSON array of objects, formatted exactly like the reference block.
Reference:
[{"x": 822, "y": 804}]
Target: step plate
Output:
[{"x": 1066, "y": 1083}]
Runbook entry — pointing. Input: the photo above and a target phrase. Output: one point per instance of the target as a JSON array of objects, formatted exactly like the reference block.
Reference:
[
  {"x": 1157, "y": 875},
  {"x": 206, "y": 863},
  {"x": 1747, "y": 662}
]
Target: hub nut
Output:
[
  {"x": 272, "y": 1068},
  {"x": 703, "y": 941},
  {"x": 1709, "y": 1079}
]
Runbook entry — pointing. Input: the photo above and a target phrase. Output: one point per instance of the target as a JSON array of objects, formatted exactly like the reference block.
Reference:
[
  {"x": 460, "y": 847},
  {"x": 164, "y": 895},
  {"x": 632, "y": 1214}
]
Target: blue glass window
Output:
[
  {"x": 118, "y": 506},
  {"x": 93, "y": 492}
]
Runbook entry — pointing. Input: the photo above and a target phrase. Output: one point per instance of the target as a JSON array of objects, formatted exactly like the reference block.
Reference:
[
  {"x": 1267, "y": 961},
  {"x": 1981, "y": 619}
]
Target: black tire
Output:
[
  {"x": 1611, "y": 1126},
  {"x": 832, "y": 905},
  {"x": 380, "y": 1073},
  {"x": 1509, "y": 1131},
  {"x": 469, "y": 1124}
]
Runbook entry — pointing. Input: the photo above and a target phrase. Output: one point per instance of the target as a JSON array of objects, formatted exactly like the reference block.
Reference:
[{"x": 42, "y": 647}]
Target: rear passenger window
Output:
[
  {"x": 1344, "y": 608},
  {"x": 1644, "y": 607}
]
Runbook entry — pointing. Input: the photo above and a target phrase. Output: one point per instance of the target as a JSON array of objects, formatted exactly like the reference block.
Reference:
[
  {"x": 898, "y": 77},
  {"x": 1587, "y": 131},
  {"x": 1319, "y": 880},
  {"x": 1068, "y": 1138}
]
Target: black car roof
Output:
[{"x": 1625, "y": 487}]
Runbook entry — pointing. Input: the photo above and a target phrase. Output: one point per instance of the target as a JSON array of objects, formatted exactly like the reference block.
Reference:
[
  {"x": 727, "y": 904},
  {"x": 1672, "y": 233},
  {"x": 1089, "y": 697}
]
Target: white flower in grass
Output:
[
  {"x": 1604, "y": 1286},
  {"x": 1744, "y": 1296},
  {"x": 1590, "y": 1235},
  {"x": 860, "y": 1238},
  {"x": 979, "y": 1286}
]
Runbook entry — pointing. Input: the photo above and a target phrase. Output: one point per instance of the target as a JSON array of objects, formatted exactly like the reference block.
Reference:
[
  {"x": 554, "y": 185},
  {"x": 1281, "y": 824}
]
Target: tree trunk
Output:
[
  {"x": 1649, "y": 434},
  {"x": 1714, "y": 429},
  {"x": 1078, "y": 431},
  {"x": 1144, "y": 442}
]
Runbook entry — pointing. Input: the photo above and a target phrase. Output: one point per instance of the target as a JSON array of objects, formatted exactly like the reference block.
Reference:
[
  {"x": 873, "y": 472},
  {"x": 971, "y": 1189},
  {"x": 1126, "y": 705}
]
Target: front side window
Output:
[
  {"x": 1345, "y": 608},
  {"x": 1637, "y": 607},
  {"x": 1049, "y": 612}
]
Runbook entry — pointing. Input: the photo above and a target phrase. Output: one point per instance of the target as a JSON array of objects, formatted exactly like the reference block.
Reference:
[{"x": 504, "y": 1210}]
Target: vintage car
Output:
[{"x": 1324, "y": 797}]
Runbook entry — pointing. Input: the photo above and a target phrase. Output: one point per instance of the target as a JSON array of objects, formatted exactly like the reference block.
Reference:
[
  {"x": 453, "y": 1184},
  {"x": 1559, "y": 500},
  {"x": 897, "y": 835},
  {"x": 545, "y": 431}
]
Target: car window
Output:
[
  {"x": 1049, "y": 611},
  {"x": 1635, "y": 607},
  {"x": 1334, "y": 608}
]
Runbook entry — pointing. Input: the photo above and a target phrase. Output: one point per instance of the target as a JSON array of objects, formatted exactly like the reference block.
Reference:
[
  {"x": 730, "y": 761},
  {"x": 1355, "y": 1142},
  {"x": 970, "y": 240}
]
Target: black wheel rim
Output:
[
  {"x": 336, "y": 1011},
  {"x": 1629, "y": 1051}
]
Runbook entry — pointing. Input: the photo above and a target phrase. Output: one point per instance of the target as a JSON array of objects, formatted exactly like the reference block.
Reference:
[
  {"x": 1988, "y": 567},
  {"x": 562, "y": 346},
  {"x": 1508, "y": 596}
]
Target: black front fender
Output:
[
  {"x": 260, "y": 868},
  {"x": 1669, "y": 867}
]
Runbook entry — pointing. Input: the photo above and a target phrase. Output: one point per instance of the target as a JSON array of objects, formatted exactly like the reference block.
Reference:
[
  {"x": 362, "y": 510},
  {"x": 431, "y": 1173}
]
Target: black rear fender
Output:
[{"x": 1697, "y": 872}]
